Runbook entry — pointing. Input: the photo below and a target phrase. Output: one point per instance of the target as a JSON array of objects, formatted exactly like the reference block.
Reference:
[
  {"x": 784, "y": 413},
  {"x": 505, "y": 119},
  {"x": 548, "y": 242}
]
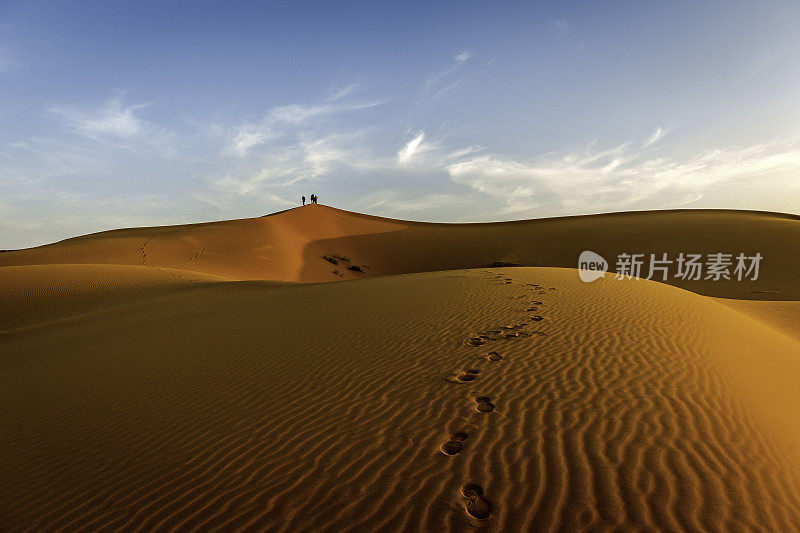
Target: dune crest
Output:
[{"x": 317, "y": 243}]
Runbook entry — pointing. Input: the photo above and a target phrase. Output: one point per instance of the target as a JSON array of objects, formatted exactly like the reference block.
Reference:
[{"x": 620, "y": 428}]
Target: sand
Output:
[
  {"x": 145, "y": 396},
  {"x": 292, "y": 246}
]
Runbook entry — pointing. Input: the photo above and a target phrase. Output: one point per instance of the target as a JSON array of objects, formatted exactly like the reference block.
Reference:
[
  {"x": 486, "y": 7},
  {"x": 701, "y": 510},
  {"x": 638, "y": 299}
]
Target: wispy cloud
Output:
[
  {"x": 689, "y": 199},
  {"x": 347, "y": 90},
  {"x": 280, "y": 166},
  {"x": 410, "y": 148},
  {"x": 450, "y": 78},
  {"x": 337, "y": 102},
  {"x": 391, "y": 201},
  {"x": 111, "y": 118},
  {"x": 296, "y": 113},
  {"x": 462, "y": 152},
  {"x": 634, "y": 175},
  {"x": 248, "y": 136},
  {"x": 622, "y": 178},
  {"x": 460, "y": 59},
  {"x": 261, "y": 164},
  {"x": 657, "y": 136}
]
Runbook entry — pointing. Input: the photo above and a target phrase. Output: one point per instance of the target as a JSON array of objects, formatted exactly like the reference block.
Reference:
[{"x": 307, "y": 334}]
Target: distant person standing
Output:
[{"x": 304, "y": 200}]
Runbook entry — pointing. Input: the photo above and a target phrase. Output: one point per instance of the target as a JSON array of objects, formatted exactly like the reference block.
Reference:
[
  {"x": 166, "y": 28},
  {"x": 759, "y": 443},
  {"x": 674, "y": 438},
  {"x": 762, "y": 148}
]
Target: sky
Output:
[{"x": 120, "y": 114}]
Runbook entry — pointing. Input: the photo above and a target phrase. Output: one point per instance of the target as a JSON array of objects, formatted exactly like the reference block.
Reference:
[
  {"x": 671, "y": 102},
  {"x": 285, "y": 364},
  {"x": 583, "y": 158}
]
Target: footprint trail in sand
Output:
[{"x": 475, "y": 504}]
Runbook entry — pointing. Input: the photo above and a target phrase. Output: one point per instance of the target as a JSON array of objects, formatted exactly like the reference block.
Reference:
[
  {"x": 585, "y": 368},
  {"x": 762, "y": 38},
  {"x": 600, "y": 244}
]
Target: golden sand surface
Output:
[{"x": 221, "y": 377}]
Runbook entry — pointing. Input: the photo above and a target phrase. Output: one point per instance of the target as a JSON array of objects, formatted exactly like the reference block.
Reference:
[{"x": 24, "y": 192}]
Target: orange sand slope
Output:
[
  {"x": 782, "y": 316},
  {"x": 292, "y": 246},
  {"x": 38, "y": 294},
  {"x": 329, "y": 407}
]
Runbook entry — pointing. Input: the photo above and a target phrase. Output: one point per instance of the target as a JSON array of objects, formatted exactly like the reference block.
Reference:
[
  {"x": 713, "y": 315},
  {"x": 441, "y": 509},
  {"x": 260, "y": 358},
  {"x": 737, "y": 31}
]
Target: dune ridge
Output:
[
  {"x": 318, "y": 243},
  {"x": 629, "y": 404}
]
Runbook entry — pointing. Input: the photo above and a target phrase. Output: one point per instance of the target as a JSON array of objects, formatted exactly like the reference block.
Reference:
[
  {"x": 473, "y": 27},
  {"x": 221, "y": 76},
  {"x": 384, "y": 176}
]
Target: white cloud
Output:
[
  {"x": 461, "y": 152},
  {"x": 347, "y": 90},
  {"x": 261, "y": 165},
  {"x": 296, "y": 113},
  {"x": 450, "y": 78},
  {"x": 689, "y": 199},
  {"x": 112, "y": 118},
  {"x": 320, "y": 154},
  {"x": 410, "y": 148},
  {"x": 391, "y": 201},
  {"x": 460, "y": 59},
  {"x": 250, "y": 136},
  {"x": 657, "y": 135},
  {"x": 279, "y": 167},
  {"x": 622, "y": 178}
]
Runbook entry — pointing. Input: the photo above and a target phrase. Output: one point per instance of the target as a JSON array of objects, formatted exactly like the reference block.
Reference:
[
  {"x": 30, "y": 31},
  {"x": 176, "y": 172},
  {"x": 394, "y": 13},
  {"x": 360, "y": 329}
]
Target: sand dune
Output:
[
  {"x": 630, "y": 404},
  {"x": 291, "y": 246},
  {"x": 38, "y": 294},
  {"x": 782, "y": 316},
  {"x": 144, "y": 396}
]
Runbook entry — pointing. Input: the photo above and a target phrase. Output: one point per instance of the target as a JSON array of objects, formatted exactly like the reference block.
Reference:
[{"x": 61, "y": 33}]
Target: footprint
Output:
[
  {"x": 477, "y": 506},
  {"x": 454, "y": 444},
  {"x": 494, "y": 356},
  {"x": 532, "y": 309},
  {"x": 475, "y": 341},
  {"x": 485, "y": 404},
  {"x": 463, "y": 377},
  {"x": 536, "y": 302},
  {"x": 537, "y": 318}
]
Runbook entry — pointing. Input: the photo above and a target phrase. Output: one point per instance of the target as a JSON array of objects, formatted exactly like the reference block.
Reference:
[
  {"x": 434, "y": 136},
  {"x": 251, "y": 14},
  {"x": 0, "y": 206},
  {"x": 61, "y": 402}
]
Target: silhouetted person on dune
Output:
[{"x": 304, "y": 200}]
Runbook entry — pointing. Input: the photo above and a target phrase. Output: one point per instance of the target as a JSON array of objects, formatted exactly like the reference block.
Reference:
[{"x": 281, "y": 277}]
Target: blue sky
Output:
[{"x": 116, "y": 114}]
